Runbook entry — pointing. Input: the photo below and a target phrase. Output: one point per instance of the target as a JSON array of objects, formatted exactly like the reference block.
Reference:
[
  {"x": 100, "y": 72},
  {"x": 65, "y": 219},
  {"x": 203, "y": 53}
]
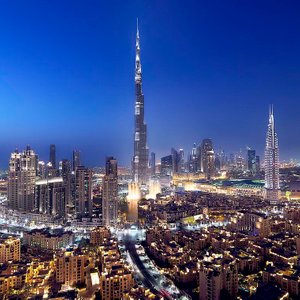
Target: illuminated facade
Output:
[
  {"x": 52, "y": 157},
  {"x": 140, "y": 157},
  {"x": 84, "y": 202},
  {"x": 133, "y": 198},
  {"x": 208, "y": 158},
  {"x": 272, "y": 190},
  {"x": 110, "y": 193},
  {"x": 10, "y": 249},
  {"x": 50, "y": 196},
  {"x": 71, "y": 268},
  {"x": 217, "y": 276},
  {"x": 45, "y": 239},
  {"x": 21, "y": 180}
]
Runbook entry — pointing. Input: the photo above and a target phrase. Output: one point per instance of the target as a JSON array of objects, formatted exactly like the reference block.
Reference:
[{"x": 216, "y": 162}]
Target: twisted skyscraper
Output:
[
  {"x": 140, "y": 157},
  {"x": 272, "y": 190}
]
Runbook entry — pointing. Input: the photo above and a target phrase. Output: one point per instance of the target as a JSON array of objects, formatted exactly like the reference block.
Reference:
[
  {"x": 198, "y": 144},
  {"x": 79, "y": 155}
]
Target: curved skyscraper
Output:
[
  {"x": 272, "y": 190},
  {"x": 140, "y": 157}
]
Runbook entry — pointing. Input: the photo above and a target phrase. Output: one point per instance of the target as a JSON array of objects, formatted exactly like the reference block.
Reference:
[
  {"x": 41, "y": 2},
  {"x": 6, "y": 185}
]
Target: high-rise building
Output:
[
  {"x": 152, "y": 163},
  {"x": 257, "y": 162},
  {"x": 76, "y": 159},
  {"x": 140, "y": 157},
  {"x": 193, "y": 162},
  {"x": 166, "y": 165},
  {"x": 175, "y": 160},
  {"x": 13, "y": 176},
  {"x": 207, "y": 158},
  {"x": 50, "y": 197},
  {"x": 66, "y": 173},
  {"x": 83, "y": 202},
  {"x": 181, "y": 163},
  {"x": 110, "y": 193},
  {"x": 251, "y": 161},
  {"x": 52, "y": 158},
  {"x": 272, "y": 189},
  {"x": 21, "y": 180}
]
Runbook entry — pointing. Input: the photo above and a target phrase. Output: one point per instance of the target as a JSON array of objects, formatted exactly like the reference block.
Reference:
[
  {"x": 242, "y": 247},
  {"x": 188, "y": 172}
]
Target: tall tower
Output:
[
  {"x": 110, "y": 193},
  {"x": 52, "y": 157},
  {"x": 76, "y": 159},
  {"x": 84, "y": 198},
  {"x": 272, "y": 190},
  {"x": 140, "y": 157}
]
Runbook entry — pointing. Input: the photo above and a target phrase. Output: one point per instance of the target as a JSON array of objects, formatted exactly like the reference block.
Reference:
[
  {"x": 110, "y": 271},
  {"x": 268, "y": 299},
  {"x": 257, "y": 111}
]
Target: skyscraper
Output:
[
  {"x": 50, "y": 196},
  {"x": 272, "y": 190},
  {"x": 251, "y": 161},
  {"x": 13, "y": 176},
  {"x": 152, "y": 164},
  {"x": 66, "y": 174},
  {"x": 110, "y": 193},
  {"x": 84, "y": 202},
  {"x": 207, "y": 158},
  {"x": 140, "y": 157},
  {"x": 76, "y": 159},
  {"x": 52, "y": 158}
]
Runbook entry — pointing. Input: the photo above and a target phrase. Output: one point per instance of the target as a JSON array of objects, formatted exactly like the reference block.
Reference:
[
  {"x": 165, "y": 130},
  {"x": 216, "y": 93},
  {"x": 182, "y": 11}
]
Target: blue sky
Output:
[{"x": 210, "y": 69}]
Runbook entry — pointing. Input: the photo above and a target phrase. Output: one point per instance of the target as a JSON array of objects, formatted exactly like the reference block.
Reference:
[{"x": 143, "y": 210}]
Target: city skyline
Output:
[{"x": 34, "y": 86}]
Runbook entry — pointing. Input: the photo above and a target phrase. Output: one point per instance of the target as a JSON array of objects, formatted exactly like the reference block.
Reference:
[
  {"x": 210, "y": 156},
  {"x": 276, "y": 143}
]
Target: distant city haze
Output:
[{"x": 210, "y": 70}]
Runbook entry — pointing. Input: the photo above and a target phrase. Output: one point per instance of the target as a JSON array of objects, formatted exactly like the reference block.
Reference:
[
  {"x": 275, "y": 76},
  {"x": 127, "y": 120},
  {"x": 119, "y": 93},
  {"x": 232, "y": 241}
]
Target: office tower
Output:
[
  {"x": 240, "y": 161},
  {"x": 83, "y": 194},
  {"x": 13, "y": 176},
  {"x": 207, "y": 158},
  {"x": 52, "y": 158},
  {"x": 217, "y": 162},
  {"x": 272, "y": 189},
  {"x": 26, "y": 184},
  {"x": 175, "y": 160},
  {"x": 166, "y": 165},
  {"x": 251, "y": 161},
  {"x": 66, "y": 173},
  {"x": 76, "y": 159},
  {"x": 110, "y": 193},
  {"x": 152, "y": 163},
  {"x": 50, "y": 171},
  {"x": 50, "y": 197},
  {"x": 193, "y": 164},
  {"x": 181, "y": 162},
  {"x": 42, "y": 170},
  {"x": 140, "y": 157},
  {"x": 257, "y": 163},
  {"x": 218, "y": 279}
]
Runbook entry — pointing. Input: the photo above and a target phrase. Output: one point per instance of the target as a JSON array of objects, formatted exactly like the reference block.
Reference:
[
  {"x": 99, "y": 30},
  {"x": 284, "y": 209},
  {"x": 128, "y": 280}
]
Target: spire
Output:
[
  {"x": 137, "y": 29},
  {"x": 138, "y": 66}
]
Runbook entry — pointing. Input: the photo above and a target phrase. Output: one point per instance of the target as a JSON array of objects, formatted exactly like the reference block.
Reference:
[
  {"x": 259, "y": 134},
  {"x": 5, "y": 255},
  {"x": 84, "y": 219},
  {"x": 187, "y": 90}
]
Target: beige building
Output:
[
  {"x": 98, "y": 235},
  {"x": 218, "y": 276},
  {"x": 45, "y": 239},
  {"x": 71, "y": 268},
  {"x": 115, "y": 282},
  {"x": 10, "y": 249},
  {"x": 12, "y": 277}
]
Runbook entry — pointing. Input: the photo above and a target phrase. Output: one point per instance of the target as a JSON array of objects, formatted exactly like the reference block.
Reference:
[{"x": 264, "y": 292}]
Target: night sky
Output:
[{"x": 210, "y": 69}]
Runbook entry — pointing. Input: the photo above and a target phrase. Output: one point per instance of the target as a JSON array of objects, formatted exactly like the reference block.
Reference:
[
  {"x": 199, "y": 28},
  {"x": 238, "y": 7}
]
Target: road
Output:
[{"x": 145, "y": 270}]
